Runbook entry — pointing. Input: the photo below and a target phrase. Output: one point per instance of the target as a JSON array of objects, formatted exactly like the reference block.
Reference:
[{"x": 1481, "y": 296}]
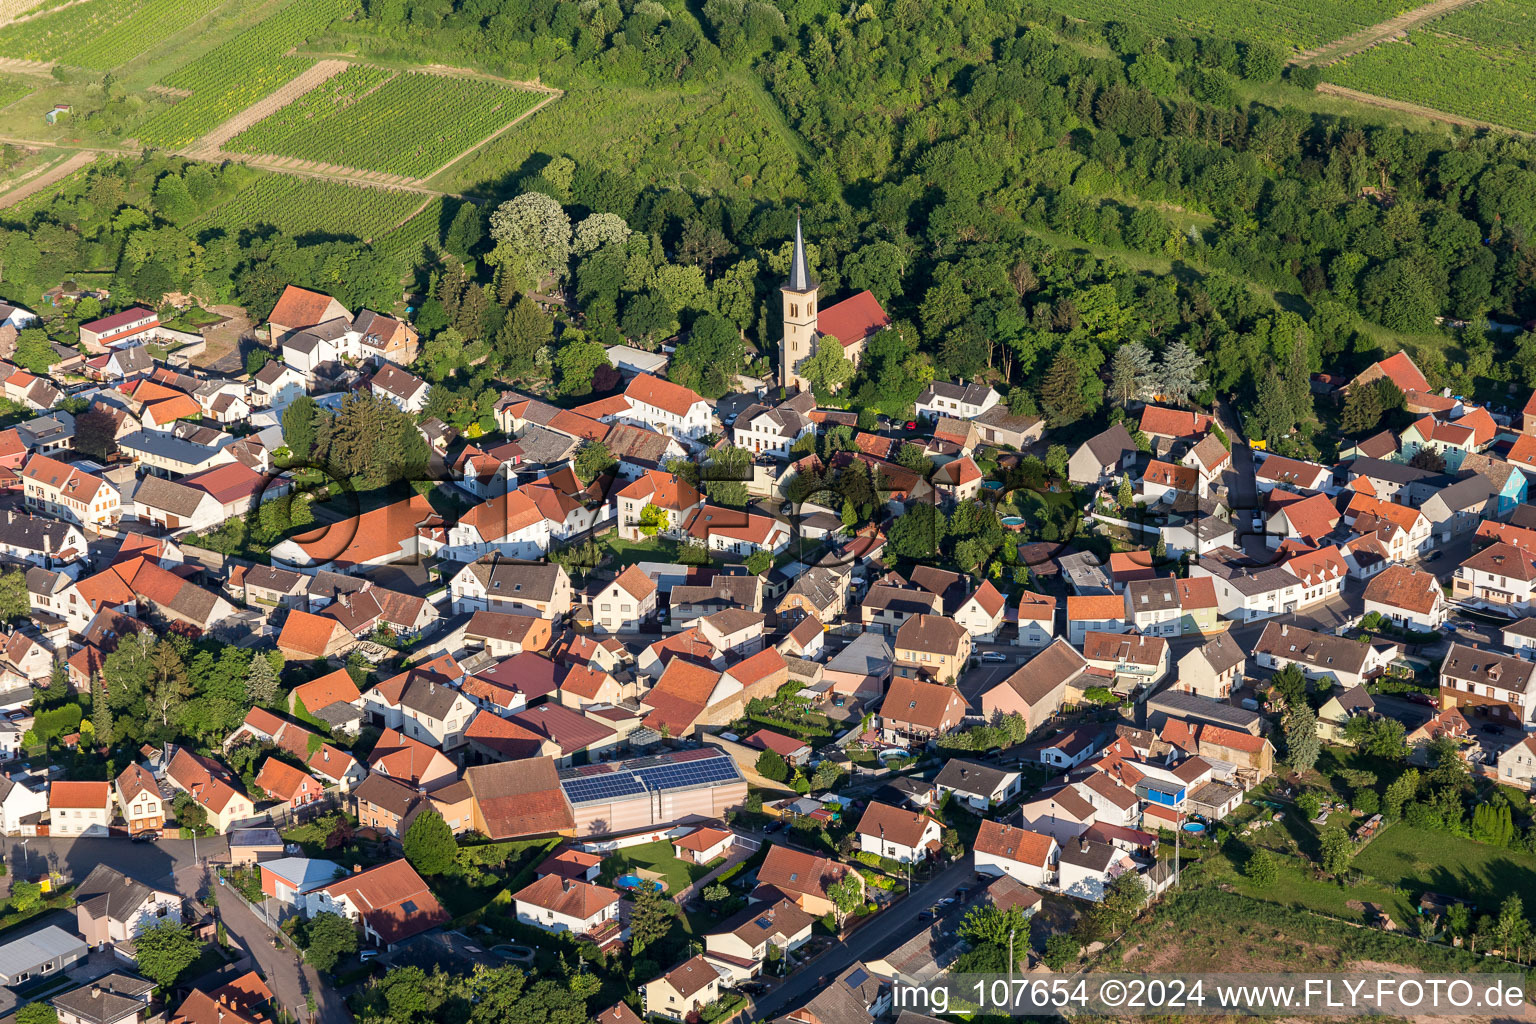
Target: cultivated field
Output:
[
  {"x": 238, "y": 73},
  {"x": 103, "y": 34},
  {"x": 1478, "y": 62},
  {"x": 302, "y": 206},
  {"x": 407, "y": 123}
]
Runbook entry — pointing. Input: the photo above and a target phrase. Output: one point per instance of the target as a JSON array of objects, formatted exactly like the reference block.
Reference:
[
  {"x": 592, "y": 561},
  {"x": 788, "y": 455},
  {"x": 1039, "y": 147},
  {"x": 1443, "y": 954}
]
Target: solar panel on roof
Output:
[
  {"x": 857, "y": 978},
  {"x": 601, "y": 787}
]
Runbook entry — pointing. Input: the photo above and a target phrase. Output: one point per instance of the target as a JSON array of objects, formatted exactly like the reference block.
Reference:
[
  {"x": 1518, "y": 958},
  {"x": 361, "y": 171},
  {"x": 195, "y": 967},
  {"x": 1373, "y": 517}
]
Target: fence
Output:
[{"x": 283, "y": 816}]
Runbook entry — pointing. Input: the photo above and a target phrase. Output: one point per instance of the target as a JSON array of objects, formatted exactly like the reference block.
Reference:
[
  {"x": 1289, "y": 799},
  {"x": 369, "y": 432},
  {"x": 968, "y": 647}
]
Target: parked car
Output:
[
  {"x": 911, "y": 424},
  {"x": 926, "y": 915},
  {"x": 146, "y": 837},
  {"x": 773, "y": 826},
  {"x": 993, "y": 656}
]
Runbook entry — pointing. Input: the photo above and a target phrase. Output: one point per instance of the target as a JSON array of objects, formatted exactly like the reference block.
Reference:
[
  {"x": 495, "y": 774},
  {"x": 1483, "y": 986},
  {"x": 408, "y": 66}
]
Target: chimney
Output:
[
  {"x": 95, "y": 991},
  {"x": 357, "y": 869}
]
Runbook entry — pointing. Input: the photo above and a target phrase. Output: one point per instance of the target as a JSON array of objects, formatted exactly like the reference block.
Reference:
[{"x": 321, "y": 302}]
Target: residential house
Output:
[
  {"x": 764, "y": 429},
  {"x": 1408, "y": 598},
  {"x": 1030, "y": 857},
  {"x": 38, "y": 953},
  {"x": 1037, "y": 690},
  {"x": 1103, "y": 613},
  {"x": 1165, "y": 481},
  {"x": 1502, "y": 575},
  {"x": 404, "y": 390},
  {"x": 819, "y": 592},
  {"x": 887, "y": 607},
  {"x": 424, "y": 705},
  {"x": 736, "y": 532},
  {"x": 626, "y": 604},
  {"x": 740, "y": 943},
  {"x": 981, "y": 787},
  {"x": 685, "y": 990},
  {"x": 1321, "y": 655},
  {"x": 1133, "y": 659},
  {"x": 499, "y": 585},
  {"x": 932, "y": 647},
  {"x": 1461, "y": 507},
  {"x": 959, "y": 401},
  {"x": 556, "y": 904},
  {"x": 69, "y": 493},
  {"x": 915, "y": 711},
  {"x": 390, "y": 902},
  {"x": 1102, "y": 458},
  {"x": 1405, "y": 533},
  {"x": 138, "y": 797},
  {"x": 1213, "y": 668},
  {"x": 983, "y": 612},
  {"x": 1245, "y": 591},
  {"x": 1500, "y": 685},
  {"x": 1517, "y": 764},
  {"x": 1036, "y": 620},
  {"x": 670, "y": 498},
  {"x": 213, "y": 786},
  {"x": 1291, "y": 475},
  {"x": 110, "y": 907},
  {"x": 666, "y": 407},
  {"x": 802, "y": 877},
  {"x": 1334, "y": 714},
  {"x": 898, "y": 834},
  {"x": 79, "y": 808},
  {"x": 23, "y": 804},
  {"x": 1086, "y": 868}
]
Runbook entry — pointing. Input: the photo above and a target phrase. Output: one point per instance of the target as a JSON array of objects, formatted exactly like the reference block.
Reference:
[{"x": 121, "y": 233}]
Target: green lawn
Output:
[
  {"x": 624, "y": 553},
  {"x": 655, "y": 857},
  {"x": 1421, "y": 861},
  {"x": 1297, "y": 888}
]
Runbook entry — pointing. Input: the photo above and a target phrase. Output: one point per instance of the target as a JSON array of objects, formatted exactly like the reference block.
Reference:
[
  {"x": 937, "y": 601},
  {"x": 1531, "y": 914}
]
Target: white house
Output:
[
  {"x": 22, "y": 806},
  {"x": 1037, "y": 620},
  {"x": 557, "y": 904},
  {"x": 1291, "y": 475},
  {"x": 666, "y": 407},
  {"x": 1410, "y": 598},
  {"x": 669, "y": 495},
  {"x": 624, "y": 605},
  {"x": 1029, "y": 857},
  {"x": 406, "y": 390},
  {"x": 735, "y": 532},
  {"x": 1086, "y": 868},
  {"x": 980, "y": 786},
  {"x": 276, "y": 385},
  {"x": 1346, "y": 662},
  {"x": 509, "y": 524},
  {"x": 898, "y": 834},
  {"x": 773, "y": 429},
  {"x": 958, "y": 401},
  {"x": 982, "y": 613}
]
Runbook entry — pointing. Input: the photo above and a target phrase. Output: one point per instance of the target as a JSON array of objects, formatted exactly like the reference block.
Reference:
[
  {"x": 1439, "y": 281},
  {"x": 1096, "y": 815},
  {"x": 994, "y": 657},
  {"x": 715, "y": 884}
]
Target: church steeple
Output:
[
  {"x": 799, "y": 308},
  {"x": 799, "y": 267}
]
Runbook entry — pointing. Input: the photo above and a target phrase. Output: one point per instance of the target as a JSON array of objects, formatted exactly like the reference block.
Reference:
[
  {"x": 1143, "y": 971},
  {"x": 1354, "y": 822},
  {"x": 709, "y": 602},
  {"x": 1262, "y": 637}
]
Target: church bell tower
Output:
[{"x": 799, "y": 307}]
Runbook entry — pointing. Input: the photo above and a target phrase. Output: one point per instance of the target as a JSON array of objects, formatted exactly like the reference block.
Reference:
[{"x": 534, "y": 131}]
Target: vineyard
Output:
[
  {"x": 1298, "y": 23},
  {"x": 1478, "y": 62},
  {"x": 405, "y": 246},
  {"x": 240, "y": 72},
  {"x": 104, "y": 34},
  {"x": 410, "y": 124},
  {"x": 302, "y": 206}
]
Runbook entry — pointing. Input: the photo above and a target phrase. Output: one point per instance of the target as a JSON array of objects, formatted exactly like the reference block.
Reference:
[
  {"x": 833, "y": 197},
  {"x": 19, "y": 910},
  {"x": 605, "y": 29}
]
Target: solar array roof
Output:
[{"x": 595, "y": 782}]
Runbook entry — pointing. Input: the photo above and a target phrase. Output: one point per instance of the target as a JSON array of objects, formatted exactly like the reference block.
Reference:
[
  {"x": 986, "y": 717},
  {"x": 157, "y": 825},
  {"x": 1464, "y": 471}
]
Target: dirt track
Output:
[
  {"x": 1413, "y": 108},
  {"x": 1364, "y": 39},
  {"x": 56, "y": 173},
  {"x": 209, "y": 145}
]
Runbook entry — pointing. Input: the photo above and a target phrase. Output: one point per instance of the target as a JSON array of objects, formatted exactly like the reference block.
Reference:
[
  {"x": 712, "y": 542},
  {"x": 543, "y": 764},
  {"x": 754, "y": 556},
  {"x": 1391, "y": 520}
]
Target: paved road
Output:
[
  {"x": 291, "y": 981},
  {"x": 893, "y": 927},
  {"x": 159, "y": 864}
]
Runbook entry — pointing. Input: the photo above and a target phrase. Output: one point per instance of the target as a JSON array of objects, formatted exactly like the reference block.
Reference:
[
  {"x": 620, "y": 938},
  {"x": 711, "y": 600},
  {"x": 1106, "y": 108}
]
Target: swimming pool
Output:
[
  {"x": 632, "y": 882},
  {"x": 1194, "y": 828}
]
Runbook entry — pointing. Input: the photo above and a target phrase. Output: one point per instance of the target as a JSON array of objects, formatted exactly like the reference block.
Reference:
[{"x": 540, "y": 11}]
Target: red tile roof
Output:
[
  {"x": 662, "y": 394},
  {"x": 308, "y": 634},
  {"x": 79, "y": 794},
  {"x": 1399, "y": 586},
  {"x": 299, "y": 307},
  {"x": 520, "y": 798},
  {"x": 1016, "y": 844},
  {"x": 852, "y": 320},
  {"x": 392, "y": 899}
]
